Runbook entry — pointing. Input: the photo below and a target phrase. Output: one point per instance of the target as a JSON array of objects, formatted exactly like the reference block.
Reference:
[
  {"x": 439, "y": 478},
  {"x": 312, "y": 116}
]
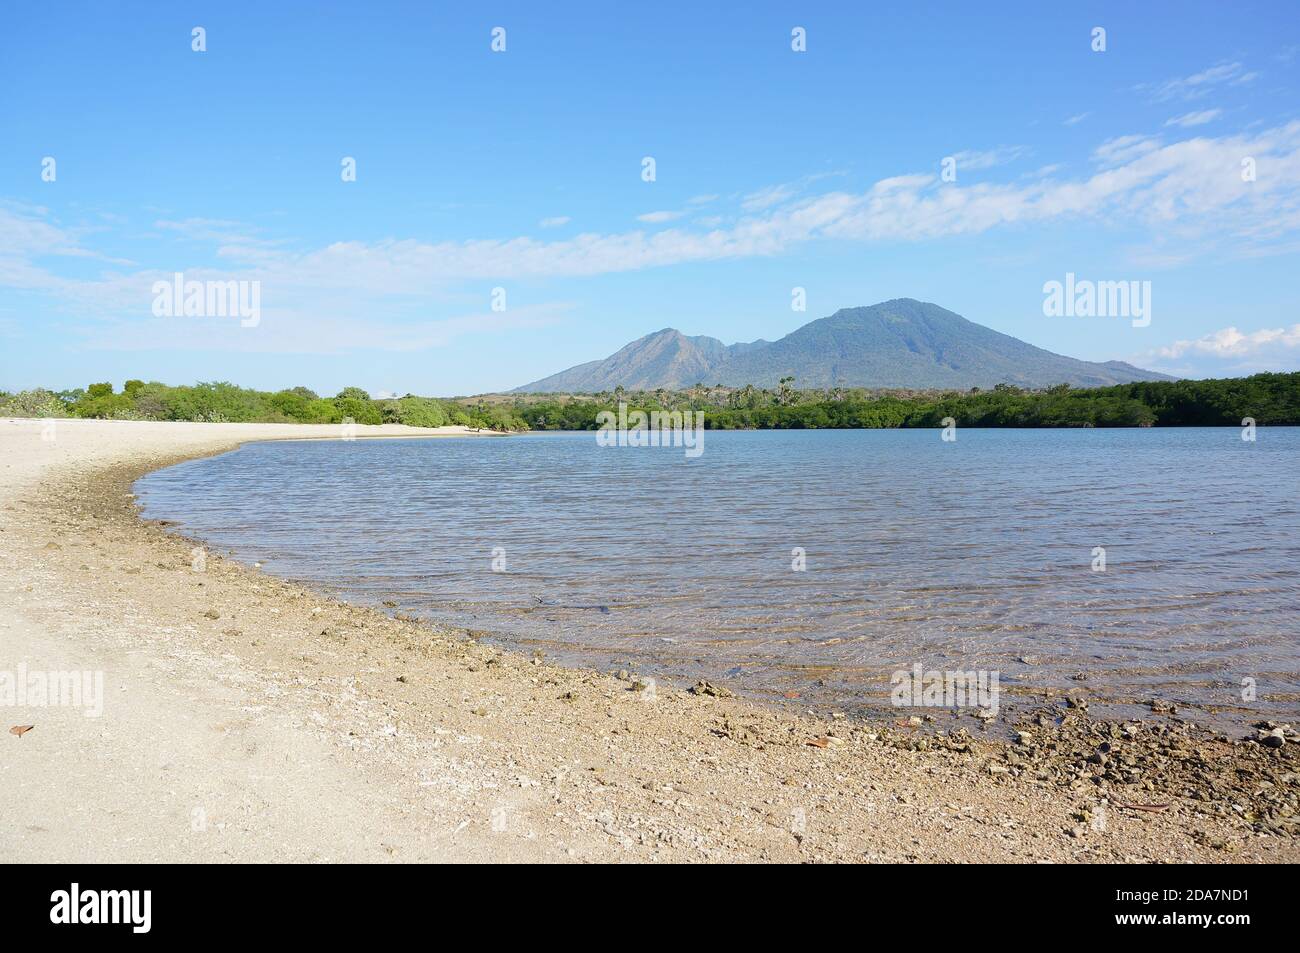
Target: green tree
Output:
[{"x": 361, "y": 411}]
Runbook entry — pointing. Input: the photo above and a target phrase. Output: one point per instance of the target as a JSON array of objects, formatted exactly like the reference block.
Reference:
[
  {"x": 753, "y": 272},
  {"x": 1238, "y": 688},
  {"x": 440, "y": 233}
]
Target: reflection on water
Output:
[{"x": 976, "y": 554}]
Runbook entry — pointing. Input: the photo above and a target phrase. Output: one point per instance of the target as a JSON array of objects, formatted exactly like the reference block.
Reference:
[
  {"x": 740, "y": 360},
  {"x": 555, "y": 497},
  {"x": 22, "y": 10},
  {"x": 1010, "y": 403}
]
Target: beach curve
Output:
[{"x": 246, "y": 718}]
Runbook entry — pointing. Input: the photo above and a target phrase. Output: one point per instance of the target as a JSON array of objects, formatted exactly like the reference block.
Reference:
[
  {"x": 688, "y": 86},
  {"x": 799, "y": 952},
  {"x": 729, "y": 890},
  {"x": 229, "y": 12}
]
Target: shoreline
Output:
[
  {"x": 418, "y": 743},
  {"x": 1109, "y": 695}
]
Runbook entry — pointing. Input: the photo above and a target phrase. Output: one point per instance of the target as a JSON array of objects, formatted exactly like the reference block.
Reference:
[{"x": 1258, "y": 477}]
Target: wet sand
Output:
[{"x": 246, "y": 718}]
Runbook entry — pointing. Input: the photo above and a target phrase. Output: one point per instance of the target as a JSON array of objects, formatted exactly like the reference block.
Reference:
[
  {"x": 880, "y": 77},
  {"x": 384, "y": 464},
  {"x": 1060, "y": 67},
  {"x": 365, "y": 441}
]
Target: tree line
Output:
[
  {"x": 223, "y": 402},
  {"x": 1271, "y": 399}
]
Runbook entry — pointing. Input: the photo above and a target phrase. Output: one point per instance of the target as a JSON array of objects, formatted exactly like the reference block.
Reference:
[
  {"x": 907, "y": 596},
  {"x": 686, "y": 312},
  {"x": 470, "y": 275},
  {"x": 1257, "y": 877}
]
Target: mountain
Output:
[
  {"x": 666, "y": 355},
  {"x": 902, "y": 343}
]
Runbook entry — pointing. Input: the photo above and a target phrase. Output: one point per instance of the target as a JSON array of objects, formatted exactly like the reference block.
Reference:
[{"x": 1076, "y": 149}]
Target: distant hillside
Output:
[
  {"x": 900, "y": 343},
  {"x": 666, "y": 355}
]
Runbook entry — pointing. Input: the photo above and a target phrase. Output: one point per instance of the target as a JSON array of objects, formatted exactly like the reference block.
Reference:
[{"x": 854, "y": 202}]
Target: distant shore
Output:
[{"x": 246, "y": 718}]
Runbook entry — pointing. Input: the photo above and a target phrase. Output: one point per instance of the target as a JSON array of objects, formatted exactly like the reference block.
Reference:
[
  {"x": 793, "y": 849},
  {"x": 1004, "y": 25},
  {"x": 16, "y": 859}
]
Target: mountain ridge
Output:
[{"x": 903, "y": 343}]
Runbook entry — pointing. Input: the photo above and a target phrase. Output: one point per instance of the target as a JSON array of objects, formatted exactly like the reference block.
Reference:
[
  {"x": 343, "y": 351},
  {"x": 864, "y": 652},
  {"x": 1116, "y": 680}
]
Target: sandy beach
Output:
[{"x": 245, "y": 718}]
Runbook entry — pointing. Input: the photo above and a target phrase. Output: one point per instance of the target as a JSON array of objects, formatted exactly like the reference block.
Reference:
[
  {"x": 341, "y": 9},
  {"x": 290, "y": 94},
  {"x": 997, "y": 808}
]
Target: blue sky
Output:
[{"x": 522, "y": 170}]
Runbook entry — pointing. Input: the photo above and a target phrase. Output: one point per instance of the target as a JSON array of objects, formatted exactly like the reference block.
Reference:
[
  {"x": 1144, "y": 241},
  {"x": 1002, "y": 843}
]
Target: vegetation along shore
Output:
[{"x": 1269, "y": 399}]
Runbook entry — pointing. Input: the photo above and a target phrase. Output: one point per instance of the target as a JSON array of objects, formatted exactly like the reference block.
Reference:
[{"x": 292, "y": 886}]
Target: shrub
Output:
[
  {"x": 361, "y": 411},
  {"x": 290, "y": 403},
  {"x": 321, "y": 411},
  {"x": 32, "y": 403},
  {"x": 420, "y": 412},
  {"x": 106, "y": 406}
]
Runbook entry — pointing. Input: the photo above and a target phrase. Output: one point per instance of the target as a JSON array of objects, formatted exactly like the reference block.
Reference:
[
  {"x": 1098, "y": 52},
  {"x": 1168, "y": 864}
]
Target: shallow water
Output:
[{"x": 976, "y": 554}]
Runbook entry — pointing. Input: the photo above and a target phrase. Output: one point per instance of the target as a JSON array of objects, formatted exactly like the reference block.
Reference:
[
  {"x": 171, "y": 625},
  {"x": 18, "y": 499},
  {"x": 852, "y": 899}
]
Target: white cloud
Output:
[
  {"x": 774, "y": 195},
  {"x": 1229, "y": 352},
  {"x": 1076, "y": 119},
  {"x": 555, "y": 221},
  {"x": 233, "y": 239},
  {"x": 32, "y": 231},
  {"x": 202, "y": 229},
  {"x": 30, "y": 234},
  {"x": 1233, "y": 343},
  {"x": 988, "y": 159},
  {"x": 1198, "y": 84},
  {"x": 768, "y": 196},
  {"x": 1188, "y": 194},
  {"x": 1124, "y": 149},
  {"x": 1187, "y": 120},
  {"x": 655, "y": 218},
  {"x": 1043, "y": 172}
]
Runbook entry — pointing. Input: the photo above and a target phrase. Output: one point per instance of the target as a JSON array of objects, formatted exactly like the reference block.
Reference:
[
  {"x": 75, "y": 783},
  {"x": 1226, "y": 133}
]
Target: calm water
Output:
[{"x": 975, "y": 554}]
